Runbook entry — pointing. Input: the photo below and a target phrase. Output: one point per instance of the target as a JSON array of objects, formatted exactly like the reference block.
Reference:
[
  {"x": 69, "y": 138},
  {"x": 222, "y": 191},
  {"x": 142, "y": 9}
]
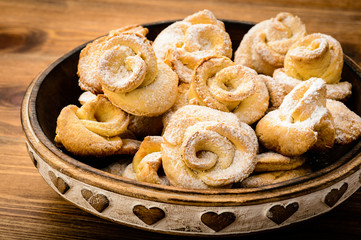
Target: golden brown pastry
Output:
[
  {"x": 265, "y": 45},
  {"x": 281, "y": 84},
  {"x": 206, "y": 148},
  {"x": 221, "y": 84},
  {"x": 133, "y": 79},
  {"x": 272, "y": 161},
  {"x": 90, "y": 55},
  {"x": 147, "y": 162},
  {"x": 315, "y": 55},
  {"x": 182, "y": 44},
  {"x": 264, "y": 179},
  {"x": 93, "y": 129},
  {"x": 302, "y": 121},
  {"x": 347, "y": 123}
]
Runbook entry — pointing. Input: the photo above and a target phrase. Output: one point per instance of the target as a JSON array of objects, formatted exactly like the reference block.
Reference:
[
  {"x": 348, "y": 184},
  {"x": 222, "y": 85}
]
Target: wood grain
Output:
[{"x": 34, "y": 33}]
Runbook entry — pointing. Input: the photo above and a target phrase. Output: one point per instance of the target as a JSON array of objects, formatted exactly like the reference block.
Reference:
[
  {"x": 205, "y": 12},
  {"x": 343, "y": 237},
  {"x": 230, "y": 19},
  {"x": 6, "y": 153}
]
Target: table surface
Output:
[{"x": 34, "y": 33}]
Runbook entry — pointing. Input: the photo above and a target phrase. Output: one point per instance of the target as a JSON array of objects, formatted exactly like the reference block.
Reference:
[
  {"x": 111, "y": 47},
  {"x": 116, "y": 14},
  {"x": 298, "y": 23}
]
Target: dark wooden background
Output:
[{"x": 34, "y": 33}]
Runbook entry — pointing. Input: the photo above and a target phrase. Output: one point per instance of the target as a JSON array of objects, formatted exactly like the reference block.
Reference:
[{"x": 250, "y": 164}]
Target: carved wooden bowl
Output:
[{"x": 173, "y": 210}]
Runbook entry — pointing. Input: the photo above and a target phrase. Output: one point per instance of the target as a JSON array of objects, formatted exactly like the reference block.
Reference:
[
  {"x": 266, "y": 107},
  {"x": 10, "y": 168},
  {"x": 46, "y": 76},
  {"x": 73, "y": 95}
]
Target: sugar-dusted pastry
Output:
[
  {"x": 347, "y": 123},
  {"x": 93, "y": 129},
  {"x": 301, "y": 122},
  {"x": 90, "y": 55},
  {"x": 133, "y": 79},
  {"x": 315, "y": 55},
  {"x": 147, "y": 162},
  {"x": 272, "y": 161},
  {"x": 268, "y": 178},
  {"x": 281, "y": 84},
  {"x": 206, "y": 148},
  {"x": 265, "y": 45},
  {"x": 184, "y": 43},
  {"x": 221, "y": 84}
]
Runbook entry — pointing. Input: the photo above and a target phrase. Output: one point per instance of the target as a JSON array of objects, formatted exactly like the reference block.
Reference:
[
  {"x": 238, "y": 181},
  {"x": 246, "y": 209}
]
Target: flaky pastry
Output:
[
  {"x": 221, "y": 84},
  {"x": 347, "y": 123},
  {"x": 147, "y": 162},
  {"x": 182, "y": 44},
  {"x": 206, "y": 148},
  {"x": 133, "y": 79},
  {"x": 272, "y": 161},
  {"x": 281, "y": 84},
  {"x": 90, "y": 55},
  {"x": 93, "y": 129},
  {"x": 264, "y": 179},
  {"x": 301, "y": 122},
  {"x": 315, "y": 55},
  {"x": 265, "y": 45}
]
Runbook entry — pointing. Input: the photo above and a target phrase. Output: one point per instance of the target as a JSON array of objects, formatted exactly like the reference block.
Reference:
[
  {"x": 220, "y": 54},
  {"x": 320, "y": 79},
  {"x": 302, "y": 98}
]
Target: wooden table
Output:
[{"x": 35, "y": 33}]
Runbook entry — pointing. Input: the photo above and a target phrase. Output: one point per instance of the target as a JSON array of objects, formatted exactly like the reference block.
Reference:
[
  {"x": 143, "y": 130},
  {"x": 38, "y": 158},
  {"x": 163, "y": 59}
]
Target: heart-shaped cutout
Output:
[
  {"x": 217, "y": 222},
  {"x": 148, "y": 216},
  {"x": 335, "y": 194},
  {"x": 279, "y": 213},
  {"x": 98, "y": 201},
  {"x": 58, "y": 182}
]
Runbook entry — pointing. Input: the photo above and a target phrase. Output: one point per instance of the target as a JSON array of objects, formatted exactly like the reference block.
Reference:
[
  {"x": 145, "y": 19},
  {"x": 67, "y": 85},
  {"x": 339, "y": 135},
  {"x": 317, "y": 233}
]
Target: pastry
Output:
[
  {"x": 206, "y": 148},
  {"x": 347, "y": 123},
  {"x": 219, "y": 83},
  {"x": 264, "y": 179},
  {"x": 315, "y": 55},
  {"x": 265, "y": 45},
  {"x": 182, "y": 44},
  {"x": 147, "y": 162},
  {"x": 272, "y": 161},
  {"x": 149, "y": 89},
  {"x": 301, "y": 122},
  {"x": 89, "y": 57},
  {"x": 281, "y": 84},
  {"x": 93, "y": 129}
]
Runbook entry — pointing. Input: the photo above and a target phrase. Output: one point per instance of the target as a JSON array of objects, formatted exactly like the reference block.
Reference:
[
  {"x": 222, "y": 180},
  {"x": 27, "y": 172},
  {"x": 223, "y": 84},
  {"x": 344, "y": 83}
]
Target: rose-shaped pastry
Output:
[
  {"x": 206, "y": 148},
  {"x": 147, "y": 162},
  {"x": 265, "y": 45},
  {"x": 90, "y": 55},
  {"x": 184, "y": 43},
  {"x": 219, "y": 83},
  {"x": 301, "y": 122},
  {"x": 92, "y": 130},
  {"x": 316, "y": 55},
  {"x": 133, "y": 79}
]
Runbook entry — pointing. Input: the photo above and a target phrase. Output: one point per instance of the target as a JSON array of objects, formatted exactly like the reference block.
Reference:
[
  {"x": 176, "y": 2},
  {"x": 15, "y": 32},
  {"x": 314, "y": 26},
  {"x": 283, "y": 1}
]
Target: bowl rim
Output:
[{"x": 169, "y": 194}]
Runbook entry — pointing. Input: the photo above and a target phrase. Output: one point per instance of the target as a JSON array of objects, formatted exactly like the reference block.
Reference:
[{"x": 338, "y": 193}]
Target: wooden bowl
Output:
[{"x": 173, "y": 210}]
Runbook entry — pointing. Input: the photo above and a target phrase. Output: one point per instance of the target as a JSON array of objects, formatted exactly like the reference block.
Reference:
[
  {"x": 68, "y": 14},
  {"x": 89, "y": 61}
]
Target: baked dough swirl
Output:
[
  {"x": 206, "y": 148},
  {"x": 133, "y": 79},
  {"x": 147, "y": 162},
  {"x": 265, "y": 45},
  {"x": 301, "y": 122},
  {"x": 93, "y": 129},
  {"x": 315, "y": 55},
  {"x": 90, "y": 55},
  {"x": 221, "y": 84},
  {"x": 182, "y": 44}
]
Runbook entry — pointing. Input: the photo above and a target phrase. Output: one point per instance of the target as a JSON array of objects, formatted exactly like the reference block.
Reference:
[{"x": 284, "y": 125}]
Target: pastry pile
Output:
[{"x": 189, "y": 115}]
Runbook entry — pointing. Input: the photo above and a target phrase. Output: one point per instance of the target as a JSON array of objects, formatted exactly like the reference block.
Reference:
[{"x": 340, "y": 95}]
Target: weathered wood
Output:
[{"x": 33, "y": 34}]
